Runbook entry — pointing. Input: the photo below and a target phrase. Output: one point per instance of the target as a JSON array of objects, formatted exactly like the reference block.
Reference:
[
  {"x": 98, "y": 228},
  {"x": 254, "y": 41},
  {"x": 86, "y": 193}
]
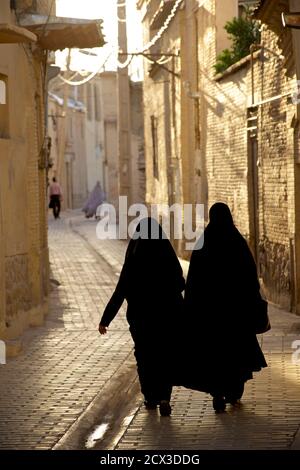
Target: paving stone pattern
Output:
[
  {"x": 268, "y": 418},
  {"x": 65, "y": 363}
]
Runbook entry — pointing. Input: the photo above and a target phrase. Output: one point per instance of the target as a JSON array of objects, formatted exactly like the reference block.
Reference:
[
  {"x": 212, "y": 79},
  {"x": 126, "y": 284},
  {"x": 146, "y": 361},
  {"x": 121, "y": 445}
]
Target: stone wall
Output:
[
  {"x": 24, "y": 261},
  {"x": 16, "y": 283},
  {"x": 235, "y": 136},
  {"x": 91, "y": 139},
  {"x": 277, "y": 167},
  {"x": 137, "y": 143},
  {"x": 226, "y": 149},
  {"x": 162, "y": 116}
]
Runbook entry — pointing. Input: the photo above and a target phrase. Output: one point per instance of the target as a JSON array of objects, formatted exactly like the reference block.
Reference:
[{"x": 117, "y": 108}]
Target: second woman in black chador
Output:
[
  {"x": 152, "y": 283},
  {"x": 220, "y": 301}
]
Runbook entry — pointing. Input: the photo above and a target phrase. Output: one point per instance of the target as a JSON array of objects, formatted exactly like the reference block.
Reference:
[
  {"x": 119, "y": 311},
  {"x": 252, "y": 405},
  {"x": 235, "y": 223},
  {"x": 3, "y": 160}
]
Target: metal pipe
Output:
[
  {"x": 255, "y": 47},
  {"x": 269, "y": 100}
]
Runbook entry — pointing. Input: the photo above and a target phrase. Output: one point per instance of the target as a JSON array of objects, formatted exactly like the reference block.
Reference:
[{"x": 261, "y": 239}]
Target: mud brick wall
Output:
[
  {"x": 226, "y": 150},
  {"x": 17, "y": 289},
  {"x": 276, "y": 212}
]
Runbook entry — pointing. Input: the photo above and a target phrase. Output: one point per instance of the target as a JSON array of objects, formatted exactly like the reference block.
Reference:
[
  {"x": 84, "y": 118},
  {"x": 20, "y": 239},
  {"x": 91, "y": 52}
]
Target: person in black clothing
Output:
[
  {"x": 221, "y": 294},
  {"x": 151, "y": 281}
]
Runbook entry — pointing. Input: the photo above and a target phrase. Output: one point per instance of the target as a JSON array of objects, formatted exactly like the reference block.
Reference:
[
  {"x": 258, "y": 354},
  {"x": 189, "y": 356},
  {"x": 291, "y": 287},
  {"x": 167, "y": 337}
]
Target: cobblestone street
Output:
[
  {"x": 65, "y": 363},
  {"x": 52, "y": 392}
]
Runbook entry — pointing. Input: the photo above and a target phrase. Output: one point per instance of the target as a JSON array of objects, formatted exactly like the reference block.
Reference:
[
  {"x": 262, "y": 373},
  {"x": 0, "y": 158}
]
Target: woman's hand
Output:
[{"x": 102, "y": 330}]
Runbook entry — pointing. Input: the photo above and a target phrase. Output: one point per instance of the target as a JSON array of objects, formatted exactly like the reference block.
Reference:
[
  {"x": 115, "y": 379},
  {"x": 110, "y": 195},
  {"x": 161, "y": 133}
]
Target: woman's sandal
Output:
[
  {"x": 165, "y": 408},
  {"x": 150, "y": 405},
  {"x": 219, "y": 404}
]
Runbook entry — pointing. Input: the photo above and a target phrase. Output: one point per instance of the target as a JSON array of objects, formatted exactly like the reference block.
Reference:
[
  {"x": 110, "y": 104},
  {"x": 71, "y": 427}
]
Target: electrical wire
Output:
[
  {"x": 80, "y": 82},
  {"x": 127, "y": 62},
  {"x": 159, "y": 34},
  {"x": 161, "y": 61},
  {"x": 123, "y": 65},
  {"x": 87, "y": 79}
]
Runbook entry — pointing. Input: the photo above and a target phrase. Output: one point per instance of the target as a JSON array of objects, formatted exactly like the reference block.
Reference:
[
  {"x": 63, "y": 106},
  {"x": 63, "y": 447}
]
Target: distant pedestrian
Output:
[
  {"x": 95, "y": 199},
  {"x": 151, "y": 281},
  {"x": 55, "y": 194},
  {"x": 221, "y": 300}
]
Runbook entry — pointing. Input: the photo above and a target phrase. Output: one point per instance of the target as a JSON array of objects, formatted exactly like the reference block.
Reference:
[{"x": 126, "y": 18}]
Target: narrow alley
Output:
[
  {"x": 72, "y": 389},
  {"x": 169, "y": 121}
]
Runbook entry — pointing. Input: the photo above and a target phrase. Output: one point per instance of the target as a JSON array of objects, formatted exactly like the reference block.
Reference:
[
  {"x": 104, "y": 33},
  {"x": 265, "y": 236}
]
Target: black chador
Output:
[
  {"x": 151, "y": 281},
  {"x": 221, "y": 294}
]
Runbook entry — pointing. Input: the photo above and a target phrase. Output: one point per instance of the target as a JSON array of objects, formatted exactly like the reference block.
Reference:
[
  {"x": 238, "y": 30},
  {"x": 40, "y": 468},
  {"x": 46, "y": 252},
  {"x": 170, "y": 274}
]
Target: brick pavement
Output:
[
  {"x": 269, "y": 417},
  {"x": 65, "y": 363}
]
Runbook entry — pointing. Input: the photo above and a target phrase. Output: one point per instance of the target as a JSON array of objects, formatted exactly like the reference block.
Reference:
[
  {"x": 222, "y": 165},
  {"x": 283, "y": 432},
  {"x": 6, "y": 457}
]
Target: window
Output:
[
  {"x": 4, "y": 111},
  {"x": 97, "y": 103},
  {"x": 154, "y": 146}
]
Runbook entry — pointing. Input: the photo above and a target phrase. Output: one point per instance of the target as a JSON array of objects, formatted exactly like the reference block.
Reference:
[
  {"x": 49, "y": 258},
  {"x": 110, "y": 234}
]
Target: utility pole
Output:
[
  {"x": 64, "y": 122},
  {"x": 123, "y": 98}
]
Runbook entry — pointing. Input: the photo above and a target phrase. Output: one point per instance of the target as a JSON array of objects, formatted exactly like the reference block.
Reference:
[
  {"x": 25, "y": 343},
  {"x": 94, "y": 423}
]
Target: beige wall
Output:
[
  {"x": 203, "y": 37},
  {"x": 110, "y": 161},
  {"x": 277, "y": 170},
  {"x": 24, "y": 253},
  {"x": 225, "y": 10},
  {"x": 225, "y": 163},
  {"x": 74, "y": 177},
  {"x": 79, "y": 170},
  {"x": 2, "y": 275},
  {"x": 226, "y": 159},
  {"x": 162, "y": 101},
  {"x": 137, "y": 143},
  {"x": 94, "y": 136},
  {"x": 180, "y": 103},
  {"x": 214, "y": 145},
  {"x": 91, "y": 140}
]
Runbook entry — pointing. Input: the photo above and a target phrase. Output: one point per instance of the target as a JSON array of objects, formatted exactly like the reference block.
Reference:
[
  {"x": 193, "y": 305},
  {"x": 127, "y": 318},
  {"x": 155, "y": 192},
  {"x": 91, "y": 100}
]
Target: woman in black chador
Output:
[
  {"x": 221, "y": 295},
  {"x": 151, "y": 281}
]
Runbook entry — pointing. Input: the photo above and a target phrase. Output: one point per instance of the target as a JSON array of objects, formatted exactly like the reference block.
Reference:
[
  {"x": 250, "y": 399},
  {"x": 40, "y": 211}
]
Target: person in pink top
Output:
[{"x": 55, "y": 194}]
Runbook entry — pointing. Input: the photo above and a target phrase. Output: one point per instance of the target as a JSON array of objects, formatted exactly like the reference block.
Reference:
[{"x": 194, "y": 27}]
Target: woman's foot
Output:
[
  {"x": 235, "y": 394},
  {"x": 165, "y": 408},
  {"x": 219, "y": 404},
  {"x": 233, "y": 401},
  {"x": 150, "y": 405}
]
